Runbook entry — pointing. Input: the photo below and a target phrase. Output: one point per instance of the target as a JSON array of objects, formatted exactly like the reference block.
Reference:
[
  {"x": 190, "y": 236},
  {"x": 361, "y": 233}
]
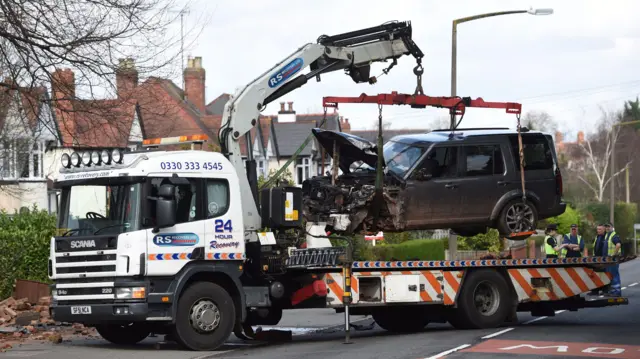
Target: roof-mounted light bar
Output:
[
  {"x": 178, "y": 140},
  {"x": 92, "y": 158}
]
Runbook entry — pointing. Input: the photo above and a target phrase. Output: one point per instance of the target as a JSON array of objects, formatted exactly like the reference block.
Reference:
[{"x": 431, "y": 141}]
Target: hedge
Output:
[
  {"x": 417, "y": 249},
  {"x": 24, "y": 244}
]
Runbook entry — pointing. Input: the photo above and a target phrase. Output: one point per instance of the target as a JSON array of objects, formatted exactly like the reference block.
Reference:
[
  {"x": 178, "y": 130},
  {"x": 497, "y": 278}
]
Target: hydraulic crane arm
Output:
[{"x": 353, "y": 52}]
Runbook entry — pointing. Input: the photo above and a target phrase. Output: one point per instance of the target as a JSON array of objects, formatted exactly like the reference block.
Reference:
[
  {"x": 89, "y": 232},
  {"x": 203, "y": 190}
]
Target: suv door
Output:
[
  {"x": 482, "y": 180},
  {"x": 432, "y": 190}
]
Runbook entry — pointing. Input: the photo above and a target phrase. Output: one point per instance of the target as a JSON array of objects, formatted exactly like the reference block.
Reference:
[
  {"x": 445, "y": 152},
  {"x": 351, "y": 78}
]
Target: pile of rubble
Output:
[
  {"x": 21, "y": 320},
  {"x": 22, "y": 313}
]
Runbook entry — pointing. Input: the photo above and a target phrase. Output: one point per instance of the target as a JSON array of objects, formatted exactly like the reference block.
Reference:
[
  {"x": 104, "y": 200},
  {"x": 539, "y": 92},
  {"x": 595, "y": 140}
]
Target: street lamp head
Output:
[{"x": 533, "y": 11}]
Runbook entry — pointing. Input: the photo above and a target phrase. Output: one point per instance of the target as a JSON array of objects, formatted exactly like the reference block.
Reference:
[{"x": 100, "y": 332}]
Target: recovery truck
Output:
[{"x": 178, "y": 246}]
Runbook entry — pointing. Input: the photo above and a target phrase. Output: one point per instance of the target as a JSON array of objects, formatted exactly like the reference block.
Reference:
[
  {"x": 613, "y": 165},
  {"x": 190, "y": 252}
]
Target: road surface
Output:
[{"x": 605, "y": 332}]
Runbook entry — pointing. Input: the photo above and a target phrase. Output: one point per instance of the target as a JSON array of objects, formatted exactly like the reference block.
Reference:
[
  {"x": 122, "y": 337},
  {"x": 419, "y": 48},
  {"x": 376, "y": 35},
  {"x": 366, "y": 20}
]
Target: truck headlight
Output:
[{"x": 131, "y": 293}]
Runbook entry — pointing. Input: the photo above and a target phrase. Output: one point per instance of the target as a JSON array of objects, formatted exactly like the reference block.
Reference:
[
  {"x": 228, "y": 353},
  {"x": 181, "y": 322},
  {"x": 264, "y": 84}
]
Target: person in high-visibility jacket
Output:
[
  {"x": 575, "y": 245},
  {"x": 551, "y": 247},
  {"x": 597, "y": 252},
  {"x": 611, "y": 247}
]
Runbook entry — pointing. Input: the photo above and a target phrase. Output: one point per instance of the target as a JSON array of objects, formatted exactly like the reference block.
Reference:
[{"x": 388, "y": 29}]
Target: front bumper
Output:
[{"x": 112, "y": 312}]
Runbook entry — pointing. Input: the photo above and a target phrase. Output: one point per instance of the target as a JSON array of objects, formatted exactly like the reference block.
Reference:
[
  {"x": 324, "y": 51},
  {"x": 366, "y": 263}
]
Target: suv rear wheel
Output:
[{"x": 517, "y": 217}]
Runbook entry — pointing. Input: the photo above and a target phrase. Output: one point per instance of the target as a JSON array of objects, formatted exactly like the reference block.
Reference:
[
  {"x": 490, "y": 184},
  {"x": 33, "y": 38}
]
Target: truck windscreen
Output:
[{"x": 100, "y": 209}]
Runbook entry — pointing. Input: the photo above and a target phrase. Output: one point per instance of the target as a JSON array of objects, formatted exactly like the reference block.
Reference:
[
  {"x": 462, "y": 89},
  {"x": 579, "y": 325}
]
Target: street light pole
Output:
[
  {"x": 612, "y": 190},
  {"x": 454, "y": 41},
  {"x": 453, "y": 239}
]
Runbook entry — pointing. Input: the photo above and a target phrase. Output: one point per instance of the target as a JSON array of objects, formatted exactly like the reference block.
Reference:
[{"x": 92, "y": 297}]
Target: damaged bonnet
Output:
[{"x": 351, "y": 148}]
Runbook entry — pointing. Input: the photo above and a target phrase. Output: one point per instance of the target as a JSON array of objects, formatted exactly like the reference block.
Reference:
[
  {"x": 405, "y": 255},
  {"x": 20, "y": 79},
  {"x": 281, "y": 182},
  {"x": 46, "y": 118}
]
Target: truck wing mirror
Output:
[
  {"x": 165, "y": 213},
  {"x": 167, "y": 191},
  {"x": 165, "y": 207}
]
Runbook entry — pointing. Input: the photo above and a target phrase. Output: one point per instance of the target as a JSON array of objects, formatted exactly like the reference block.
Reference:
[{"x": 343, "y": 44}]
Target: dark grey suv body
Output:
[{"x": 467, "y": 181}]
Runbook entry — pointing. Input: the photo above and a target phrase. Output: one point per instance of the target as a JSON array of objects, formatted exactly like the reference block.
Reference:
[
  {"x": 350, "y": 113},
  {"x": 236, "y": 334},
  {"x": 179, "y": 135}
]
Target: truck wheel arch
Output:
[{"x": 227, "y": 275}]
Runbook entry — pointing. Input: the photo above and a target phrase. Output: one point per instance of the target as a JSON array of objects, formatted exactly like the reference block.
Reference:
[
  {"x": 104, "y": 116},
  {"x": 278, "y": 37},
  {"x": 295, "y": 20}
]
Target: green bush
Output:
[
  {"x": 24, "y": 244},
  {"x": 624, "y": 214},
  {"x": 418, "y": 249},
  {"x": 565, "y": 220},
  {"x": 489, "y": 241}
]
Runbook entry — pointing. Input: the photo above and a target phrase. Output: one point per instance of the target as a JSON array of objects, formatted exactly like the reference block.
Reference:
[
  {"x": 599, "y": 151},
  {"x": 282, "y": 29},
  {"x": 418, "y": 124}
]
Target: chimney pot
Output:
[
  {"x": 580, "y": 137},
  {"x": 126, "y": 77},
  {"x": 290, "y": 103},
  {"x": 194, "y": 83},
  {"x": 281, "y": 106}
]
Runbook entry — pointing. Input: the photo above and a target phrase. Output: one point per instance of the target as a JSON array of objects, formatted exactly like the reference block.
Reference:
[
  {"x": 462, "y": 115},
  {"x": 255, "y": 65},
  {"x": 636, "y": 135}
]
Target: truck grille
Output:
[{"x": 85, "y": 256}]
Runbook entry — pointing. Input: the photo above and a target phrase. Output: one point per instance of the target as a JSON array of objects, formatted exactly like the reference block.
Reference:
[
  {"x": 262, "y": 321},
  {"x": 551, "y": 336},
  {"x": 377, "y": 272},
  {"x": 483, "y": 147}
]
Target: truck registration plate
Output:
[{"x": 81, "y": 310}]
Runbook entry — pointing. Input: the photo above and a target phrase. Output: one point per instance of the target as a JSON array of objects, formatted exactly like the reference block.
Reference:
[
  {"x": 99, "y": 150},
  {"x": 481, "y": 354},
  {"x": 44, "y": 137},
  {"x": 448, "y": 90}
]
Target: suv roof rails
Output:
[{"x": 471, "y": 129}]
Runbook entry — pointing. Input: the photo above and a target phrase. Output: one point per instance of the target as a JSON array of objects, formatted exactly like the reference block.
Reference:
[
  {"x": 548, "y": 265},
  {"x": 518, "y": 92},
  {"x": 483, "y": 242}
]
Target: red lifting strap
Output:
[{"x": 457, "y": 104}]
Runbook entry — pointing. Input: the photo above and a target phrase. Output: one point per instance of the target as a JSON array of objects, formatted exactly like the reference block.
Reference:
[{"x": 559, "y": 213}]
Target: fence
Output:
[{"x": 465, "y": 255}]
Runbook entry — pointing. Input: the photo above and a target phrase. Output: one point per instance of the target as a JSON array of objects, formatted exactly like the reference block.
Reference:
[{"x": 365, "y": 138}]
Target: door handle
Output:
[
  {"x": 502, "y": 183},
  {"x": 450, "y": 185}
]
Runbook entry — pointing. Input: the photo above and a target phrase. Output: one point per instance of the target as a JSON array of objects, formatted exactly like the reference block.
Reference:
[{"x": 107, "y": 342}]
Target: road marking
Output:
[
  {"x": 560, "y": 311},
  {"x": 565, "y": 349},
  {"x": 623, "y": 288},
  {"x": 497, "y": 333},
  {"x": 534, "y": 320},
  {"x": 633, "y": 284},
  {"x": 449, "y": 351}
]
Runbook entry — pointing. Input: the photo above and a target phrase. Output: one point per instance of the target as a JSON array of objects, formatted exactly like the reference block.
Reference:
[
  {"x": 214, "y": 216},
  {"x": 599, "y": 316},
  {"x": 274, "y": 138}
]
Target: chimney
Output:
[
  {"x": 63, "y": 88},
  {"x": 580, "y": 137},
  {"x": 63, "y": 85},
  {"x": 126, "y": 77},
  {"x": 559, "y": 137},
  {"x": 286, "y": 115},
  {"x": 194, "y": 78},
  {"x": 346, "y": 126}
]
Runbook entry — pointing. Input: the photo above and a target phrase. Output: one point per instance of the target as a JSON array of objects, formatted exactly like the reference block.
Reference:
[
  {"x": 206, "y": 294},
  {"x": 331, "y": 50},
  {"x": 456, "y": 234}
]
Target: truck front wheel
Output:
[
  {"x": 205, "y": 317},
  {"x": 128, "y": 334}
]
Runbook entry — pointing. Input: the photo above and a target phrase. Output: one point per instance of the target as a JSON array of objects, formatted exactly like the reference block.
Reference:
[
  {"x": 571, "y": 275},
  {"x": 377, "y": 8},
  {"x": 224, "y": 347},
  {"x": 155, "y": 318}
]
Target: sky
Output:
[{"x": 569, "y": 64}]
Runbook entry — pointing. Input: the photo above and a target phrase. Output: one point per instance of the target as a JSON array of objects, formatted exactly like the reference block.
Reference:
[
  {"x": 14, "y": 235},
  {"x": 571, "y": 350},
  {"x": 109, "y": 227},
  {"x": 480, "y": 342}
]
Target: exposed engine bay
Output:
[{"x": 347, "y": 202}]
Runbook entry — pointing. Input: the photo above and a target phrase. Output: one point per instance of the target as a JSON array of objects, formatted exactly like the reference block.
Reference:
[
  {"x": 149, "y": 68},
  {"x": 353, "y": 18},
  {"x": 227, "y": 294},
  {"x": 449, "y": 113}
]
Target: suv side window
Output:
[
  {"x": 537, "y": 153},
  {"x": 188, "y": 207},
  {"x": 217, "y": 197},
  {"x": 483, "y": 160},
  {"x": 440, "y": 162}
]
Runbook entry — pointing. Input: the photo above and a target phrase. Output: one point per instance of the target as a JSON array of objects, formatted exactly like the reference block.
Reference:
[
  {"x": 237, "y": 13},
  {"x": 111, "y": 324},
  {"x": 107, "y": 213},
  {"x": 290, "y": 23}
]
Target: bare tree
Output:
[
  {"x": 539, "y": 121},
  {"x": 440, "y": 122},
  {"x": 385, "y": 125},
  {"x": 94, "y": 39},
  {"x": 91, "y": 38},
  {"x": 593, "y": 156}
]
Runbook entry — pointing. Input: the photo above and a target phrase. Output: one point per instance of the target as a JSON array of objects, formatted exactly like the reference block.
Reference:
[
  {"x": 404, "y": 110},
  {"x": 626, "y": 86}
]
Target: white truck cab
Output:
[{"x": 130, "y": 223}]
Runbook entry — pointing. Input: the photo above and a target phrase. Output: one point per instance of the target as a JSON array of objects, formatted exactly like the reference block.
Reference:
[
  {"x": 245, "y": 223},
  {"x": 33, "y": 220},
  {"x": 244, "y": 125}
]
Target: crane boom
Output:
[{"x": 353, "y": 52}]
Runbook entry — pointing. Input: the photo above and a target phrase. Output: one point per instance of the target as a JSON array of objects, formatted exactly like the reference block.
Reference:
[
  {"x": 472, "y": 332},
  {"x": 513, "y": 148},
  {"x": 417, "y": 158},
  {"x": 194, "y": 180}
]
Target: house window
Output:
[
  {"x": 21, "y": 158},
  {"x": 262, "y": 170},
  {"x": 303, "y": 169}
]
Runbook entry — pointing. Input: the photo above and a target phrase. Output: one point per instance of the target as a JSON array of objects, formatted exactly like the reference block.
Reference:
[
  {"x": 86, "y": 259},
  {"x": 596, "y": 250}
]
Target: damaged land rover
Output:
[{"x": 468, "y": 180}]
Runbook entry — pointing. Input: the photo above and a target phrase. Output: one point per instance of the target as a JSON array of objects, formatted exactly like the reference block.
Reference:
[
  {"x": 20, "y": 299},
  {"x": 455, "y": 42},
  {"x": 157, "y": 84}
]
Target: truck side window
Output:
[
  {"x": 217, "y": 197},
  {"x": 483, "y": 160},
  {"x": 188, "y": 208}
]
